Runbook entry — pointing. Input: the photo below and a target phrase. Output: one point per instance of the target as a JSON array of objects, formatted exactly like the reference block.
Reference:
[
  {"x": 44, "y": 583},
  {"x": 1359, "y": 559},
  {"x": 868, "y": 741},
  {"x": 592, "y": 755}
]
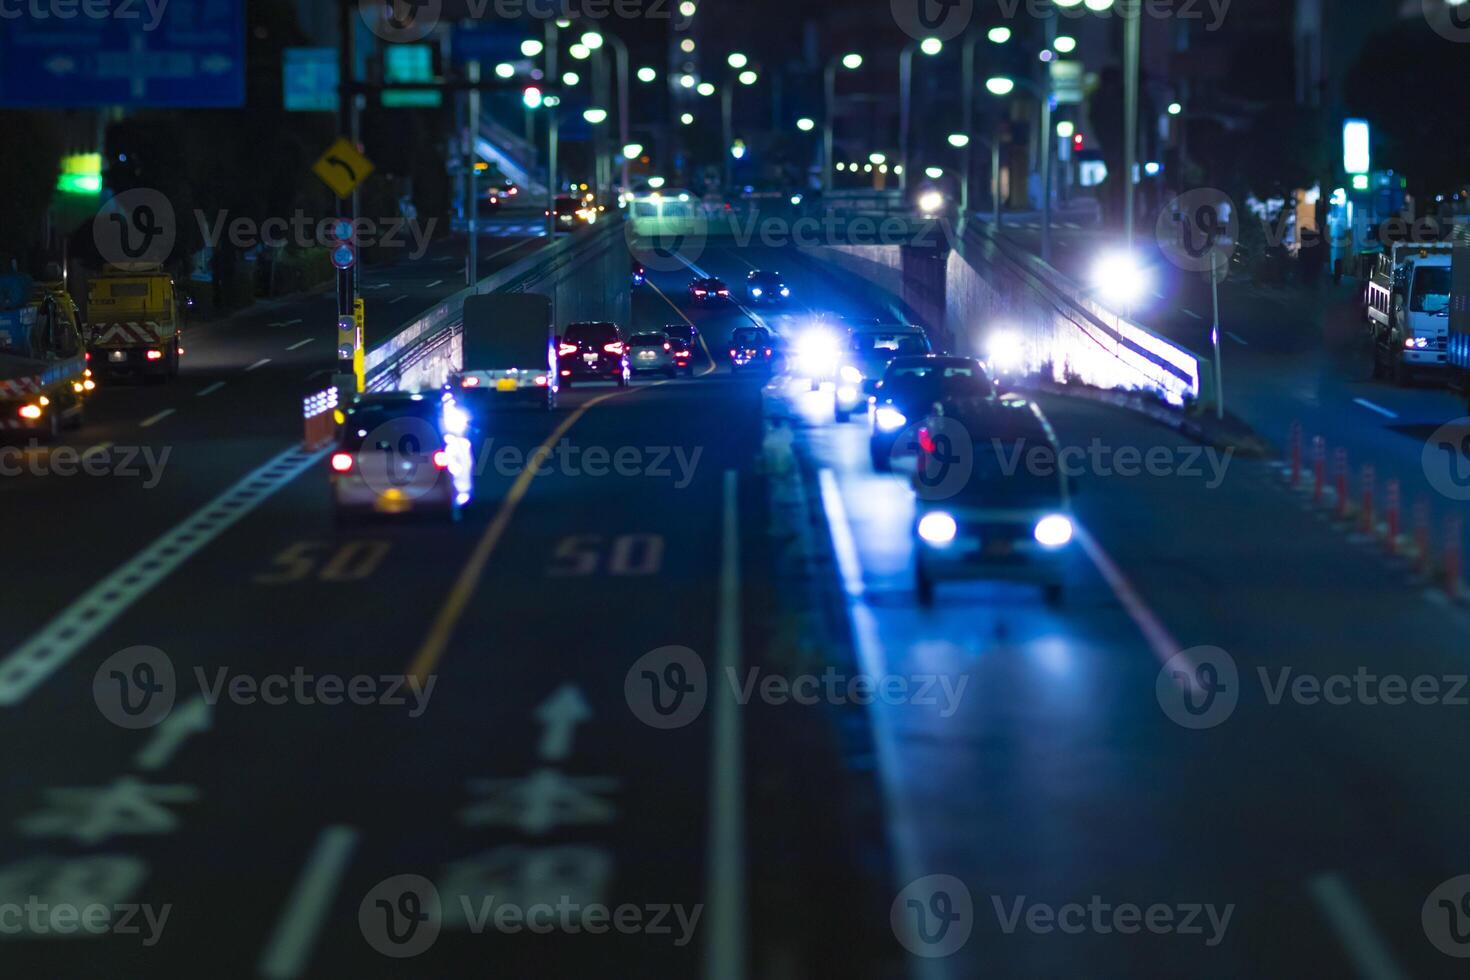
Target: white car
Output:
[{"x": 650, "y": 353}]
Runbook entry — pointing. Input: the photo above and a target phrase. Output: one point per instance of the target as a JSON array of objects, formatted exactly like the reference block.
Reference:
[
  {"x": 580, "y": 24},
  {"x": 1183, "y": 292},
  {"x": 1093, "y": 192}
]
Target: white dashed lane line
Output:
[
  {"x": 258, "y": 364},
  {"x": 301, "y": 343},
  {"x": 153, "y": 420},
  {"x": 1386, "y": 413},
  {"x": 205, "y": 392}
]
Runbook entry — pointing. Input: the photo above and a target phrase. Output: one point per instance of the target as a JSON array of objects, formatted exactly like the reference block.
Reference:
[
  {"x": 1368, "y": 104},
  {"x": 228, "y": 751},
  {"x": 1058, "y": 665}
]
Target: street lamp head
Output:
[
  {"x": 852, "y": 61},
  {"x": 531, "y": 47},
  {"x": 999, "y": 35},
  {"x": 505, "y": 70},
  {"x": 687, "y": 119},
  {"x": 570, "y": 79},
  {"x": 805, "y": 125},
  {"x": 531, "y": 97},
  {"x": 1064, "y": 44},
  {"x": 688, "y": 9},
  {"x": 1067, "y": 3},
  {"x": 931, "y": 46},
  {"x": 748, "y": 77},
  {"x": 1098, "y": 6},
  {"x": 563, "y": 23},
  {"x": 631, "y": 151},
  {"x": 959, "y": 140},
  {"x": 1000, "y": 85},
  {"x": 551, "y": 101},
  {"x": 876, "y": 158},
  {"x": 737, "y": 60},
  {"x": 595, "y": 116},
  {"x": 686, "y": 80},
  {"x": 580, "y": 51},
  {"x": 933, "y": 173},
  {"x": 1175, "y": 108},
  {"x": 705, "y": 88},
  {"x": 647, "y": 74},
  {"x": 737, "y": 149},
  {"x": 687, "y": 45},
  {"x": 1066, "y": 128},
  {"x": 655, "y": 182}
]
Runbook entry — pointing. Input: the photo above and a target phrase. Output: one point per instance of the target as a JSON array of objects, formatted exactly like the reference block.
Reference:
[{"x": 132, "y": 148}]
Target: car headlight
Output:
[
  {"x": 931, "y": 201},
  {"x": 1006, "y": 351},
  {"x": 785, "y": 291},
  {"x": 889, "y": 419},
  {"x": 850, "y": 374},
  {"x": 755, "y": 291},
  {"x": 938, "y": 528},
  {"x": 818, "y": 352},
  {"x": 1053, "y": 531}
]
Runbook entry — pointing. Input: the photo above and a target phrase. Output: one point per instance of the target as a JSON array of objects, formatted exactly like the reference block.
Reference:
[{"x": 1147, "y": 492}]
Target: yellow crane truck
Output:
[{"x": 134, "y": 324}]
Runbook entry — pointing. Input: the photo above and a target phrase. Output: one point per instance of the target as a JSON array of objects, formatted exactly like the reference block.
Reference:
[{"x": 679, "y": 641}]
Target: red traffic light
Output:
[{"x": 1076, "y": 141}]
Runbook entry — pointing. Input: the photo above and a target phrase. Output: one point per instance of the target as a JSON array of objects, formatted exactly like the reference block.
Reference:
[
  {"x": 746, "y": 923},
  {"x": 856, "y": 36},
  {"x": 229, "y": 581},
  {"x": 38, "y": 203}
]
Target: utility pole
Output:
[
  {"x": 1131, "y": 26},
  {"x": 472, "y": 129},
  {"x": 349, "y": 336}
]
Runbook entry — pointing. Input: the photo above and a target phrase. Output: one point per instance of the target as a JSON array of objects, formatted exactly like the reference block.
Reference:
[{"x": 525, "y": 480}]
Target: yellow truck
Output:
[
  {"x": 44, "y": 379},
  {"x": 135, "y": 324}
]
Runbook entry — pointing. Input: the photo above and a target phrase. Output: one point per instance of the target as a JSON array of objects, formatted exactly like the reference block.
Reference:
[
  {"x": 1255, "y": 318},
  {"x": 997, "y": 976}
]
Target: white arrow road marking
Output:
[
  {"x": 290, "y": 945},
  {"x": 561, "y": 714},
  {"x": 50, "y": 649}
]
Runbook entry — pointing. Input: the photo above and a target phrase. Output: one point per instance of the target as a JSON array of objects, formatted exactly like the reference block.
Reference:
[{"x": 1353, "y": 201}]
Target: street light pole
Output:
[
  {"x": 905, "y": 91},
  {"x": 829, "y": 98},
  {"x": 1131, "y": 25},
  {"x": 1048, "y": 139},
  {"x": 727, "y": 131},
  {"x": 472, "y": 265}
]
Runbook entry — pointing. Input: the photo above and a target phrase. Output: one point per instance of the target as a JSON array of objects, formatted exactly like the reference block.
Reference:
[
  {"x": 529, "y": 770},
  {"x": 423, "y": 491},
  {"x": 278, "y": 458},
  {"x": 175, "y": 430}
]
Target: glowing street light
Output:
[
  {"x": 959, "y": 140},
  {"x": 570, "y": 79},
  {"x": 1065, "y": 129},
  {"x": 705, "y": 88},
  {"x": 580, "y": 51},
  {"x": 647, "y": 74},
  {"x": 737, "y": 60},
  {"x": 933, "y": 173},
  {"x": 1175, "y": 108},
  {"x": 531, "y": 97},
  {"x": 632, "y": 151},
  {"x": 686, "y": 80},
  {"x": 595, "y": 116},
  {"x": 931, "y": 46},
  {"x": 1098, "y": 6},
  {"x": 687, "y": 45},
  {"x": 592, "y": 39},
  {"x": 531, "y": 47},
  {"x": 805, "y": 125},
  {"x": 999, "y": 35},
  {"x": 505, "y": 70},
  {"x": 748, "y": 77},
  {"x": 1000, "y": 85},
  {"x": 852, "y": 61},
  {"x": 688, "y": 8},
  {"x": 687, "y": 118},
  {"x": 876, "y": 158},
  {"x": 1064, "y": 44},
  {"x": 1120, "y": 278},
  {"x": 655, "y": 182}
]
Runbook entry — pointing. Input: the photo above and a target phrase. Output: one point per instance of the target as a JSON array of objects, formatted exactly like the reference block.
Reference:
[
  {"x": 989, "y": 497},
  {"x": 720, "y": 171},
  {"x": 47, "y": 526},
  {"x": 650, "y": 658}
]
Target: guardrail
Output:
[{"x": 425, "y": 351}]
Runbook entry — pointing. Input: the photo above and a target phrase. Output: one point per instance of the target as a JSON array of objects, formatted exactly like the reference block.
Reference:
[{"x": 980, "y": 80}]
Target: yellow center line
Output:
[
  {"x": 680, "y": 313},
  {"x": 432, "y": 649}
]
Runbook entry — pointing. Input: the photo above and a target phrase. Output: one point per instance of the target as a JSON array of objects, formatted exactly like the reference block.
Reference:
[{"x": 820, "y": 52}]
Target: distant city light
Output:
[
  {"x": 1066, "y": 128},
  {"x": 876, "y": 158},
  {"x": 687, "y": 45},
  {"x": 594, "y": 115},
  {"x": 1065, "y": 44},
  {"x": 686, "y": 80},
  {"x": 632, "y": 151},
  {"x": 960, "y": 140},
  {"x": 592, "y": 39},
  {"x": 931, "y": 46},
  {"x": 852, "y": 61},
  {"x": 505, "y": 70},
  {"x": 580, "y": 51},
  {"x": 748, "y": 77},
  {"x": 687, "y": 118},
  {"x": 737, "y": 60},
  {"x": 705, "y": 88},
  {"x": 805, "y": 125},
  {"x": 1175, "y": 108},
  {"x": 570, "y": 78},
  {"x": 655, "y": 182},
  {"x": 531, "y": 47},
  {"x": 647, "y": 74},
  {"x": 933, "y": 173},
  {"x": 1152, "y": 168},
  {"x": 688, "y": 8},
  {"x": 999, "y": 85},
  {"x": 999, "y": 35},
  {"x": 841, "y": 166}
]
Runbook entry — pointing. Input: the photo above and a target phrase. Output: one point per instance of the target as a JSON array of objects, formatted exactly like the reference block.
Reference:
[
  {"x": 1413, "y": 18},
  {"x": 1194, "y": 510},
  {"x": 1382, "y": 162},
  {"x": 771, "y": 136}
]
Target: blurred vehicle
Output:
[
  {"x": 44, "y": 378},
  {"x": 1009, "y": 518},
  {"x": 684, "y": 336},
  {"x": 509, "y": 352},
  {"x": 648, "y": 352},
  {"x": 399, "y": 453},
  {"x": 640, "y": 274},
  {"x": 865, "y": 355},
  {"x": 497, "y": 193},
  {"x": 592, "y": 351},
  {"x": 913, "y": 388},
  {"x": 766, "y": 287},
  {"x": 708, "y": 289},
  {"x": 752, "y": 349},
  {"x": 571, "y": 213},
  {"x": 1409, "y": 309},
  {"x": 135, "y": 323},
  {"x": 682, "y": 353}
]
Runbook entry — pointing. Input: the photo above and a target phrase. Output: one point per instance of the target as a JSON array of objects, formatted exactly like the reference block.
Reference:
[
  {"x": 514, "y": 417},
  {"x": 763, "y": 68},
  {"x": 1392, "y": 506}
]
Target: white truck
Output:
[{"x": 1408, "y": 309}]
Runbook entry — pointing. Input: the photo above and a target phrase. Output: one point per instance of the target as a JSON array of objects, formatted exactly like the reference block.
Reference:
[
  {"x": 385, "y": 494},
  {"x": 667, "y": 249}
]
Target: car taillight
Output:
[
  {"x": 768, "y": 352},
  {"x": 668, "y": 346},
  {"x": 724, "y": 292},
  {"x": 926, "y": 441},
  {"x": 541, "y": 379},
  {"x": 616, "y": 347},
  {"x": 342, "y": 462},
  {"x": 30, "y": 411},
  {"x": 154, "y": 355},
  {"x": 566, "y": 349},
  {"x": 441, "y": 459},
  {"x": 469, "y": 382},
  {"x": 732, "y": 352}
]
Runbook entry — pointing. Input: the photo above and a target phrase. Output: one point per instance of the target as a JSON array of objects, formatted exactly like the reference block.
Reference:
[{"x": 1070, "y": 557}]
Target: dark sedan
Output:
[{"x": 910, "y": 390}]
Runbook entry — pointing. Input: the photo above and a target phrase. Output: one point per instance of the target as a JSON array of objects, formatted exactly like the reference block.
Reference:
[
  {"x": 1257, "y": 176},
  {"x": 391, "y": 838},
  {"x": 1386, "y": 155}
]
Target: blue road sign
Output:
[
  {"x": 309, "y": 79},
  {"x": 487, "y": 45},
  {"x": 185, "y": 53}
]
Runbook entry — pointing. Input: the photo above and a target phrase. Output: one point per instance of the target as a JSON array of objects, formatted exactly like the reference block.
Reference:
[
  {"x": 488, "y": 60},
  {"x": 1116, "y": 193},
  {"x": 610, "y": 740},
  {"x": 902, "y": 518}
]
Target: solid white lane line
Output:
[
  {"x": 301, "y": 343},
  {"x": 202, "y": 392},
  {"x": 258, "y": 364},
  {"x": 1237, "y": 338},
  {"x": 290, "y": 946},
  {"x": 153, "y": 420},
  {"x": 1159, "y": 640},
  {"x": 1386, "y": 413},
  {"x": 900, "y": 820},
  {"x": 56, "y": 643},
  {"x": 1190, "y": 313},
  {"x": 725, "y": 951},
  {"x": 1350, "y": 921}
]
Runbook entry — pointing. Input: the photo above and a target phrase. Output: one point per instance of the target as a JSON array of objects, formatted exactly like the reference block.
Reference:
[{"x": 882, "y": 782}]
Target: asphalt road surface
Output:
[{"x": 574, "y": 746}]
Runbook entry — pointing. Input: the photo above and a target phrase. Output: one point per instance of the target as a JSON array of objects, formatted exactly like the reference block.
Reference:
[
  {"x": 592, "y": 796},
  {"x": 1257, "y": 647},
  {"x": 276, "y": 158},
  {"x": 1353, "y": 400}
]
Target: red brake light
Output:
[
  {"x": 724, "y": 292},
  {"x": 668, "y": 346},
  {"x": 732, "y": 352},
  {"x": 441, "y": 459},
  {"x": 469, "y": 382},
  {"x": 564, "y": 349},
  {"x": 699, "y": 292},
  {"x": 768, "y": 352},
  {"x": 926, "y": 441},
  {"x": 616, "y": 347},
  {"x": 154, "y": 355},
  {"x": 342, "y": 462}
]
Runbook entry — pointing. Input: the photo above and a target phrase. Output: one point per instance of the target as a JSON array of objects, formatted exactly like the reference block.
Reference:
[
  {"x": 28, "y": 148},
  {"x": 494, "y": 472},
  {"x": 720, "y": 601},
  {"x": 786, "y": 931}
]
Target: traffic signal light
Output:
[{"x": 1076, "y": 141}]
